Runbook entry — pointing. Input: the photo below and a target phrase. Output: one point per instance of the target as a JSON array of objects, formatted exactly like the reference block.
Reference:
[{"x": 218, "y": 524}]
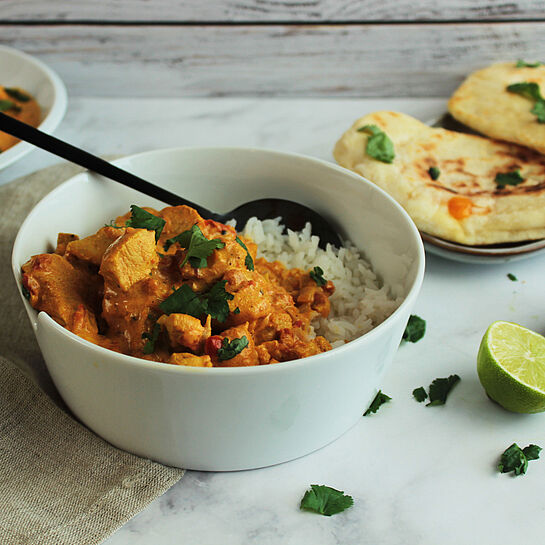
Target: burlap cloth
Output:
[{"x": 60, "y": 484}]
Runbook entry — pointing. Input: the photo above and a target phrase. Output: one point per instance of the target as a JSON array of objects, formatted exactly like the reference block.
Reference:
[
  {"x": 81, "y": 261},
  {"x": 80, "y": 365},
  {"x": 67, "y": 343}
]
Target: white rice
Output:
[{"x": 359, "y": 303}]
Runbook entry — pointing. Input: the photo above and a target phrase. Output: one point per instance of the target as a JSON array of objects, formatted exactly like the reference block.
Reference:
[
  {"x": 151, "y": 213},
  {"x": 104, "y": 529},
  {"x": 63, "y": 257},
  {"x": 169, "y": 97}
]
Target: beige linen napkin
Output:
[{"x": 60, "y": 484}]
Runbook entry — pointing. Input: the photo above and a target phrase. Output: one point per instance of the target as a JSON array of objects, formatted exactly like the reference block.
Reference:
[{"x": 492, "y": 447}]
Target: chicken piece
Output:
[
  {"x": 62, "y": 241},
  {"x": 185, "y": 330},
  {"x": 129, "y": 259},
  {"x": 231, "y": 256},
  {"x": 183, "y": 358},
  {"x": 91, "y": 249},
  {"x": 58, "y": 288},
  {"x": 252, "y": 297},
  {"x": 178, "y": 219},
  {"x": 214, "y": 347},
  {"x": 84, "y": 324},
  {"x": 315, "y": 298},
  {"x": 290, "y": 346},
  {"x": 268, "y": 327}
]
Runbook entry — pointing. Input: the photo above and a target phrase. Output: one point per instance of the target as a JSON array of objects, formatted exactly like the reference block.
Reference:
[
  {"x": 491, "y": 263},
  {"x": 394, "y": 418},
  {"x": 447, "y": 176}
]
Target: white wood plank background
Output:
[
  {"x": 269, "y": 10},
  {"x": 281, "y": 60},
  {"x": 353, "y": 48}
]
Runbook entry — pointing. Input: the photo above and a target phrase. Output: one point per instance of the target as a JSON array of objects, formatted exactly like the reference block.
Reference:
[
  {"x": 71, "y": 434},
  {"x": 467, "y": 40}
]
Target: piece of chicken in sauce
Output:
[{"x": 172, "y": 287}]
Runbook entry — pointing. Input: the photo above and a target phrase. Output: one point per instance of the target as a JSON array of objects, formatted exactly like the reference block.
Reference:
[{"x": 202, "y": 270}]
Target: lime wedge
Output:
[{"x": 511, "y": 367}]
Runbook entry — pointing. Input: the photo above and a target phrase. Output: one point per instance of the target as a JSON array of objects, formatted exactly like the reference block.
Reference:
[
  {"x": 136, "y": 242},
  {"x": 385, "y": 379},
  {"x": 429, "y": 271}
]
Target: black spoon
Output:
[{"x": 294, "y": 215}]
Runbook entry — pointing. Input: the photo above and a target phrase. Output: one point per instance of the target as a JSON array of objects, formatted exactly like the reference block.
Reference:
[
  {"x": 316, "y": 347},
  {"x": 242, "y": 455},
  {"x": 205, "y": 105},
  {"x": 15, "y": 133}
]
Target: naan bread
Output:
[
  {"x": 464, "y": 204},
  {"x": 483, "y": 103}
]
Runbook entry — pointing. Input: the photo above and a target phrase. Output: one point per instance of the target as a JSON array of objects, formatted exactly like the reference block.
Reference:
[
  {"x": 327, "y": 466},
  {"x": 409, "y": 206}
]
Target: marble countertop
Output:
[{"x": 418, "y": 475}]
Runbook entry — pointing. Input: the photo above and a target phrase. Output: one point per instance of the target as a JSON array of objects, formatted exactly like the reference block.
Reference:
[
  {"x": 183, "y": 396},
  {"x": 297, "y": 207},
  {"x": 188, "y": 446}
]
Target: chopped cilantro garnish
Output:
[
  {"x": 420, "y": 394},
  {"x": 516, "y": 459},
  {"x": 16, "y": 94},
  {"x": 379, "y": 400},
  {"x": 25, "y": 292},
  {"x": 317, "y": 274},
  {"x": 141, "y": 219},
  {"x": 230, "y": 349},
  {"x": 112, "y": 224},
  {"x": 508, "y": 178},
  {"x": 524, "y": 64},
  {"x": 198, "y": 247},
  {"x": 434, "y": 173},
  {"x": 8, "y": 105},
  {"x": 440, "y": 388},
  {"x": 249, "y": 262},
  {"x": 530, "y": 90},
  {"x": 236, "y": 311},
  {"x": 185, "y": 301},
  {"x": 152, "y": 337},
  {"x": 415, "y": 329},
  {"x": 512, "y": 277},
  {"x": 325, "y": 500},
  {"x": 379, "y": 146}
]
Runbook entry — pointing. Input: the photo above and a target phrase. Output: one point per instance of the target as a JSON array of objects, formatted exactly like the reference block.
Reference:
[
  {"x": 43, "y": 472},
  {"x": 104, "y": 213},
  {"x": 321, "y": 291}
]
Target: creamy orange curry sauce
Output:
[
  {"x": 170, "y": 286},
  {"x": 21, "y": 105}
]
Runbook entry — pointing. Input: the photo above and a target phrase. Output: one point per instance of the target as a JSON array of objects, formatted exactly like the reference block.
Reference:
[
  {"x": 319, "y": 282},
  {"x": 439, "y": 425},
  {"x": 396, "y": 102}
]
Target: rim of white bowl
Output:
[
  {"x": 152, "y": 366},
  {"x": 53, "y": 118}
]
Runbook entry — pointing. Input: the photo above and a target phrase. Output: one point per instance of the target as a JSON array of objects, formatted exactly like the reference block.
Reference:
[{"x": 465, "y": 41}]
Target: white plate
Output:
[{"x": 18, "y": 69}]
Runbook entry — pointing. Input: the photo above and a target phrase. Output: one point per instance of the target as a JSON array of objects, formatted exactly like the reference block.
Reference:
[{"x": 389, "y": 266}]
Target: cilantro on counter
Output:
[
  {"x": 185, "y": 301},
  {"x": 198, "y": 247},
  {"x": 524, "y": 64},
  {"x": 530, "y": 90},
  {"x": 379, "y": 146},
  {"x": 141, "y": 219},
  {"x": 16, "y": 94},
  {"x": 516, "y": 459},
  {"x": 152, "y": 337},
  {"x": 230, "y": 349},
  {"x": 434, "y": 173},
  {"x": 420, "y": 394},
  {"x": 249, "y": 262},
  {"x": 325, "y": 500},
  {"x": 317, "y": 274},
  {"x": 508, "y": 178},
  {"x": 440, "y": 388},
  {"x": 379, "y": 400},
  {"x": 415, "y": 329},
  {"x": 512, "y": 277}
]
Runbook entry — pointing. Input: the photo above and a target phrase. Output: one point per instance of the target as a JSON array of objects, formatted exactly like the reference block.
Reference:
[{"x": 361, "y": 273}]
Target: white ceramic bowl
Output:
[
  {"x": 18, "y": 69},
  {"x": 226, "y": 418}
]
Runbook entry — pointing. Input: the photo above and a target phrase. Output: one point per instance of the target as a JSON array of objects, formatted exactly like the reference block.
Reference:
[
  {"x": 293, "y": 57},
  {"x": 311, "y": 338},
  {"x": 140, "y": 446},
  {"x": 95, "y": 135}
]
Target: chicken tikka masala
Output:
[
  {"x": 172, "y": 287},
  {"x": 19, "y": 104}
]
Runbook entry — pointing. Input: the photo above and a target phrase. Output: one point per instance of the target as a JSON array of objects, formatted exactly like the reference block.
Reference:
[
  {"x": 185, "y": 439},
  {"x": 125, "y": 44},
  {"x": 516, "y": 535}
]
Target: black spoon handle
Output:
[{"x": 92, "y": 162}]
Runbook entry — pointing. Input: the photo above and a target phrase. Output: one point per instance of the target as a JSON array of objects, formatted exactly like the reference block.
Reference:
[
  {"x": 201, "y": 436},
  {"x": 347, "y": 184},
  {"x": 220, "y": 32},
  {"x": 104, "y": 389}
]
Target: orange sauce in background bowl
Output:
[{"x": 19, "y": 104}]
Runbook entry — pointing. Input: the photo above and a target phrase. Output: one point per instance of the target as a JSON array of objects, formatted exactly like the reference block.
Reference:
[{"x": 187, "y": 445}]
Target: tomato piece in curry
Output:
[{"x": 172, "y": 287}]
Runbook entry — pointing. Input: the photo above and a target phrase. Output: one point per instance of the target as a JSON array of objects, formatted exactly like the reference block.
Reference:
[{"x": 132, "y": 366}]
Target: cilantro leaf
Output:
[
  {"x": 531, "y": 91},
  {"x": 317, "y": 274},
  {"x": 379, "y": 146},
  {"x": 325, "y": 500},
  {"x": 236, "y": 311},
  {"x": 141, "y": 219},
  {"x": 25, "y": 292},
  {"x": 415, "y": 329},
  {"x": 434, "y": 173},
  {"x": 440, "y": 389},
  {"x": 420, "y": 394},
  {"x": 216, "y": 301},
  {"x": 379, "y": 400},
  {"x": 198, "y": 247},
  {"x": 230, "y": 349},
  {"x": 508, "y": 178},
  {"x": 516, "y": 459},
  {"x": 152, "y": 337},
  {"x": 249, "y": 262},
  {"x": 524, "y": 64},
  {"x": 16, "y": 94},
  {"x": 185, "y": 301},
  {"x": 512, "y": 277},
  {"x": 8, "y": 105}
]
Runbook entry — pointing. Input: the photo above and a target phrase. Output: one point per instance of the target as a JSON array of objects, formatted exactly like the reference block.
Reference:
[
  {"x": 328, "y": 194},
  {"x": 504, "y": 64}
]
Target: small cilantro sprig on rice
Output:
[{"x": 359, "y": 303}]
